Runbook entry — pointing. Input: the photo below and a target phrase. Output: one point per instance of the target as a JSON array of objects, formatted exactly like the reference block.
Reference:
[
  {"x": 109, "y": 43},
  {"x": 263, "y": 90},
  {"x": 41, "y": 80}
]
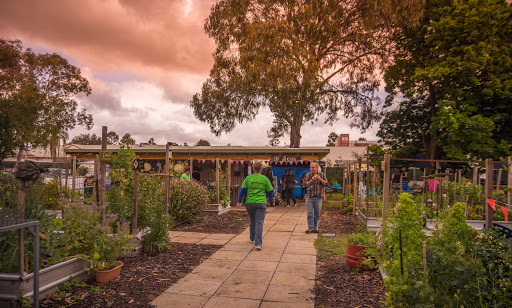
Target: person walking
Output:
[
  {"x": 283, "y": 186},
  {"x": 258, "y": 190},
  {"x": 315, "y": 183},
  {"x": 291, "y": 180}
]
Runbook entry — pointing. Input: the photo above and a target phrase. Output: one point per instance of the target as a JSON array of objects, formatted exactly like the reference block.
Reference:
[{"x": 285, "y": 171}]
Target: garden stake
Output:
[
  {"x": 401, "y": 258},
  {"x": 424, "y": 256}
]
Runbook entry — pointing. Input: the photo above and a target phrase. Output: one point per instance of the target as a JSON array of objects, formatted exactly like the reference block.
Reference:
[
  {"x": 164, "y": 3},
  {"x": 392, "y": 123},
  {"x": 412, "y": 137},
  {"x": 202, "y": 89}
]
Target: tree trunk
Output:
[{"x": 295, "y": 136}]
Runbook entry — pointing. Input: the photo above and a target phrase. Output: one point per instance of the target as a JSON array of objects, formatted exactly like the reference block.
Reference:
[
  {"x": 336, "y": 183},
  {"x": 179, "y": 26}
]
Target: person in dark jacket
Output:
[{"x": 291, "y": 180}]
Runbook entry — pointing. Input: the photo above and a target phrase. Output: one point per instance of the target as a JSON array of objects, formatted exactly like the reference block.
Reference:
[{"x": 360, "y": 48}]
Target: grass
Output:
[
  {"x": 334, "y": 196},
  {"x": 332, "y": 204},
  {"x": 331, "y": 246}
]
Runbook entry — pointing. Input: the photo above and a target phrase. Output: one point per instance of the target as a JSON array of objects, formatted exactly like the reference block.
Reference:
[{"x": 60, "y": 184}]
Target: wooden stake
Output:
[
  {"x": 355, "y": 187},
  {"x": 21, "y": 215},
  {"x": 103, "y": 173},
  {"x": 229, "y": 181},
  {"x": 488, "y": 191},
  {"x": 135, "y": 201},
  {"x": 168, "y": 157},
  {"x": 499, "y": 179},
  {"x": 73, "y": 180},
  {"x": 385, "y": 192}
]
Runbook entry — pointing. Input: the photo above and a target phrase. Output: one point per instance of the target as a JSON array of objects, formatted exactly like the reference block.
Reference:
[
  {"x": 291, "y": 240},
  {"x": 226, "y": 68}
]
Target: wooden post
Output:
[
  {"x": 460, "y": 176},
  {"x": 135, "y": 201},
  {"x": 454, "y": 187},
  {"x": 355, "y": 187},
  {"x": 367, "y": 199},
  {"x": 60, "y": 183},
  {"x": 167, "y": 178},
  {"x": 488, "y": 191},
  {"x": 21, "y": 215},
  {"x": 217, "y": 178},
  {"x": 500, "y": 171},
  {"x": 229, "y": 181},
  {"x": 103, "y": 172},
  {"x": 96, "y": 186},
  {"x": 509, "y": 181},
  {"x": 73, "y": 180},
  {"x": 475, "y": 176},
  {"x": 385, "y": 189},
  {"x": 66, "y": 179},
  {"x": 424, "y": 256}
]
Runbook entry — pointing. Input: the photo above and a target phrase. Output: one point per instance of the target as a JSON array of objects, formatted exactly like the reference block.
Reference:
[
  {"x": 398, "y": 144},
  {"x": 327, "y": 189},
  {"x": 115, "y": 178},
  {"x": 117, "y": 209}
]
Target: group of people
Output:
[{"x": 259, "y": 192}]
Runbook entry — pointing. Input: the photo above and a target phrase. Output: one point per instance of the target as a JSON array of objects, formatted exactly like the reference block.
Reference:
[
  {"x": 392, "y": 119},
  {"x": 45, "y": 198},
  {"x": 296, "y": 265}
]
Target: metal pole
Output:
[{"x": 36, "y": 266}]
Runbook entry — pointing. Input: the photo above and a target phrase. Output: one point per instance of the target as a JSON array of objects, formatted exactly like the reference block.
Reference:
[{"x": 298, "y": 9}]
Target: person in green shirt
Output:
[
  {"x": 186, "y": 174},
  {"x": 258, "y": 190}
]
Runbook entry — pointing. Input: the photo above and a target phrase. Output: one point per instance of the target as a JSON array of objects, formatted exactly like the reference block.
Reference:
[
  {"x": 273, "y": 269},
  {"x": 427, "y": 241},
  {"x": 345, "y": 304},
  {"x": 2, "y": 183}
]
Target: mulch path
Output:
[
  {"x": 232, "y": 222},
  {"x": 145, "y": 277},
  {"x": 336, "y": 284}
]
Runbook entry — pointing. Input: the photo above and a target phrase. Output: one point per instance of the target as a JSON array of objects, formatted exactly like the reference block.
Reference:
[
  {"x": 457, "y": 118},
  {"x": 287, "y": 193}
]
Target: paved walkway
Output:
[{"x": 237, "y": 275}]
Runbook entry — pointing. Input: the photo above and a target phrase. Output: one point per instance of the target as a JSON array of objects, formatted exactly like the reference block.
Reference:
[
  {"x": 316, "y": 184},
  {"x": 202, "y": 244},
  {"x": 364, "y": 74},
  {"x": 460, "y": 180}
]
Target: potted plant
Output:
[
  {"x": 107, "y": 247},
  {"x": 357, "y": 247}
]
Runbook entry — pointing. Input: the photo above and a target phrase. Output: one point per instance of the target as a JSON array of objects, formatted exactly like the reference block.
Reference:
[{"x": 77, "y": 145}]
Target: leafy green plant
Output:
[
  {"x": 223, "y": 190},
  {"x": 51, "y": 195},
  {"x": 187, "y": 199},
  {"x": 364, "y": 238},
  {"x": 157, "y": 240},
  {"x": 95, "y": 290},
  {"x": 81, "y": 171}
]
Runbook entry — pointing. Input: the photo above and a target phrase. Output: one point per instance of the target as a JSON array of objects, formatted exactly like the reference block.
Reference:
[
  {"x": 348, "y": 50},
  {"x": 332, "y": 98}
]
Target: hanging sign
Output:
[
  {"x": 137, "y": 164},
  {"x": 286, "y": 158},
  {"x": 106, "y": 157}
]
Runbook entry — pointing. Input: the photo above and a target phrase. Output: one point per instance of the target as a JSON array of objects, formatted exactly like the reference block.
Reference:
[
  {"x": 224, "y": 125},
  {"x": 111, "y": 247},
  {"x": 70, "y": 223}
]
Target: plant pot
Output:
[
  {"x": 355, "y": 257},
  {"x": 106, "y": 276}
]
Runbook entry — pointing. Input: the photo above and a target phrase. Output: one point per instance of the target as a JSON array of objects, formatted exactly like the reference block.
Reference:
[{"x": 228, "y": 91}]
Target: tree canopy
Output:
[
  {"x": 202, "y": 142},
  {"x": 301, "y": 59},
  {"x": 331, "y": 139},
  {"x": 37, "y": 97},
  {"x": 127, "y": 139},
  {"x": 112, "y": 138},
  {"x": 453, "y": 74}
]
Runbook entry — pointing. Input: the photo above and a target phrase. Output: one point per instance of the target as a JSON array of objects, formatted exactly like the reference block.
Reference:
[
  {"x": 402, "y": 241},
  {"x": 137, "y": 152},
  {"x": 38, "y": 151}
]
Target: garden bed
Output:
[
  {"x": 142, "y": 279},
  {"x": 336, "y": 284},
  {"x": 232, "y": 222}
]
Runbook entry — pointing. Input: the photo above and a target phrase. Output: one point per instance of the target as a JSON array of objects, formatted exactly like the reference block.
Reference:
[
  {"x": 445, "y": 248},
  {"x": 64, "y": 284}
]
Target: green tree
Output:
[
  {"x": 151, "y": 141},
  {"x": 202, "y": 142},
  {"x": 37, "y": 97},
  {"x": 112, "y": 137},
  {"x": 454, "y": 67},
  {"x": 127, "y": 139},
  {"x": 331, "y": 139},
  {"x": 86, "y": 139},
  {"x": 301, "y": 59}
]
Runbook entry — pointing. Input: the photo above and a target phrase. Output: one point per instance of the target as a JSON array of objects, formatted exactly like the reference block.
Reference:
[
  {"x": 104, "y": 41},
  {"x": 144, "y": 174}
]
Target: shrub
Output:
[
  {"x": 51, "y": 195},
  {"x": 187, "y": 199},
  {"x": 81, "y": 171},
  {"x": 158, "y": 239},
  {"x": 364, "y": 238}
]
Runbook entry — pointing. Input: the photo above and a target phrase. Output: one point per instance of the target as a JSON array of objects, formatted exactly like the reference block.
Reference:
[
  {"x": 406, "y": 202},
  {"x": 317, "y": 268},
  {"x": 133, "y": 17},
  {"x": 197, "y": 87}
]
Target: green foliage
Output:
[
  {"x": 364, "y": 238},
  {"x": 157, "y": 240},
  {"x": 334, "y": 175},
  {"x": 187, "y": 199},
  {"x": 51, "y": 195},
  {"x": 223, "y": 190},
  {"x": 331, "y": 246},
  {"x": 81, "y": 171},
  {"x": 120, "y": 194},
  {"x": 331, "y": 139}
]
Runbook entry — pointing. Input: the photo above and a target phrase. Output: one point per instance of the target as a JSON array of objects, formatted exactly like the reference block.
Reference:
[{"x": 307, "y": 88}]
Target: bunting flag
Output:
[
  {"x": 492, "y": 203},
  {"x": 286, "y": 163},
  {"x": 247, "y": 162},
  {"x": 208, "y": 161},
  {"x": 306, "y": 161},
  {"x": 505, "y": 212}
]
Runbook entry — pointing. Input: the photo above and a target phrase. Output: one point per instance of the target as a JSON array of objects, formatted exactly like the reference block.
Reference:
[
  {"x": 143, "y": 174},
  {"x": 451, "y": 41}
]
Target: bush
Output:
[
  {"x": 81, "y": 171},
  {"x": 51, "y": 195},
  {"x": 158, "y": 239},
  {"x": 187, "y": 199}
]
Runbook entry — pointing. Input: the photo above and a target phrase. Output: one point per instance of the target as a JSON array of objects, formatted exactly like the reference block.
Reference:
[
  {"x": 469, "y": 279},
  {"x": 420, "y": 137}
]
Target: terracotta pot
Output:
[
  {"x": 355, "y": 257},
  {"x": 106, "y": 276}
]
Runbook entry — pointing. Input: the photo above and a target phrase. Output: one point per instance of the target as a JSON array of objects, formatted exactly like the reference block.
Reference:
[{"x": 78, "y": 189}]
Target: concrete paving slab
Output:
[
  {"x": 228, "y": 302},
  {"x": 220, "y": 236},
  {"x": 265, "y": 256},
  {"x": 297, "y": 268},
  {"x": 186, "y": 240},
  {"x": 242, "y": 290},
  {"x": 290, "y": 294},
  {"x": 195, "y": 287},
  {"x": 229, "y": 255},
  {"x": 266, "y": 266},
  {"x": 300, "y": 250},
  {"x": 306, "y": 304},
  {"x": 289, "y": 279},
  {"x": 303, "y": 259},
  {"x": 195, "y": 234},
  {"x": 238, "y": 247},
  {"x": 168, "y": 300},
  {"x": 210, "y": 273},
  {"x": 174, "y": 233},
  {"x": 250, "y": 276},
  {"x": 297, "y": 243},
  {"x": 208, "y": 241},
  {"x": 216, "y": 263}
]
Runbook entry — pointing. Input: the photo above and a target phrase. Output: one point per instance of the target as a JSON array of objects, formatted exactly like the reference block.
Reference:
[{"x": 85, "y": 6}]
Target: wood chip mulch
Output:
[
  {"x": 336, "y": 284},
  {"x": 145, "y": 277}
]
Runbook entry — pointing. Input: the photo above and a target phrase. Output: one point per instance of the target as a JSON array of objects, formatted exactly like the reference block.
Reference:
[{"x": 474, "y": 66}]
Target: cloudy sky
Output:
[{"x": 144, "y": 61}]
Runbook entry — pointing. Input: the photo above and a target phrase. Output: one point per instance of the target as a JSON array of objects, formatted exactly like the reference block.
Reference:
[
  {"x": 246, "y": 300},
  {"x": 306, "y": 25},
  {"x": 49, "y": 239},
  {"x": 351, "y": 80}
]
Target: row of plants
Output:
[{"x": 464, "y": 268}]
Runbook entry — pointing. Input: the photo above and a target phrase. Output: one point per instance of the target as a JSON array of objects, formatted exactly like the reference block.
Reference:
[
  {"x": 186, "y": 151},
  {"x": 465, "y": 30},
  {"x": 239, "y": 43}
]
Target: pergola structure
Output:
[{"x": 205, "y": 161}]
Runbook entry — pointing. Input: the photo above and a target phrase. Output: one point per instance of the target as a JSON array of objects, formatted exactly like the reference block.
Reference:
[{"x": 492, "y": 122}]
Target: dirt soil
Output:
[
  {"x": 232, "y": 222},
  {"x": 142, "y": 279},
  {"x": 336, "y": 284}
]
